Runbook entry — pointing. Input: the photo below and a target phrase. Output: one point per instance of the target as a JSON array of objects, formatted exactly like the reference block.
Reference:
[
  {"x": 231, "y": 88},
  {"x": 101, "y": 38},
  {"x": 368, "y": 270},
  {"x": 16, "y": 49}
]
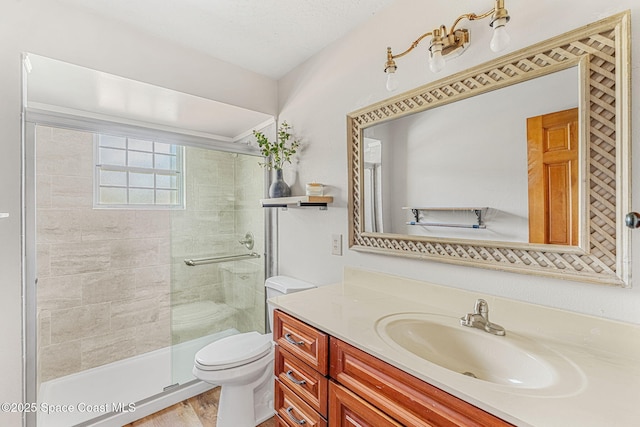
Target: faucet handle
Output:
[
  {"x": 481, "y": 307},
  {"x": 466, "y": 319},
  {"x": 248, "y": 240},
  {"x": 480, "y": 319}
]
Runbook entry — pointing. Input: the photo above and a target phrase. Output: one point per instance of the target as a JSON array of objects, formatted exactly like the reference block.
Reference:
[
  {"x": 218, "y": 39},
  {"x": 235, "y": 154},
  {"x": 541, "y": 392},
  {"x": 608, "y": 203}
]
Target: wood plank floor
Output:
[{"x": 198, "y": 411}]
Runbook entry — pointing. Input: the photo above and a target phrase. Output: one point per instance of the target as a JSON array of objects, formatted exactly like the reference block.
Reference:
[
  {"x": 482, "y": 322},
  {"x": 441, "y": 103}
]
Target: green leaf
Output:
[{"x": 277, "y": 153}]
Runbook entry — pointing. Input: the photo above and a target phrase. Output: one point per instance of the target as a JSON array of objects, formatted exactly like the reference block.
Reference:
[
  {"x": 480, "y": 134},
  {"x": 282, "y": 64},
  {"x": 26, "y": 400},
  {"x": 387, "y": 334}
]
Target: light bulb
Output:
[
  {"x": 392, "y": 82},
  {"x": 500, "y": 39},
  {"x": 436, "y": 61}
]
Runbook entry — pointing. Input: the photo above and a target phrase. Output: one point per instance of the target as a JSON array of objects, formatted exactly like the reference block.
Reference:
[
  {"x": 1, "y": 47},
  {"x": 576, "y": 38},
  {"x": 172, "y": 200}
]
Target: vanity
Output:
[
  {"x": 351, "y": 387},
  {"x": 382, "y": 350}
]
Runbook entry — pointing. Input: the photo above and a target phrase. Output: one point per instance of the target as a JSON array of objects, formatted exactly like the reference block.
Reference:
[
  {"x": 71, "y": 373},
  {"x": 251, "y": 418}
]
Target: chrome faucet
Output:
[{"x": 480, "y": 319}]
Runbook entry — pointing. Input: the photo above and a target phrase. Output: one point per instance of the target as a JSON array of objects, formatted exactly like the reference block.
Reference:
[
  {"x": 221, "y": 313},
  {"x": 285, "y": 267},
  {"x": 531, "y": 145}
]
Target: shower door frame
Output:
[{"x": 32, "y": 117}]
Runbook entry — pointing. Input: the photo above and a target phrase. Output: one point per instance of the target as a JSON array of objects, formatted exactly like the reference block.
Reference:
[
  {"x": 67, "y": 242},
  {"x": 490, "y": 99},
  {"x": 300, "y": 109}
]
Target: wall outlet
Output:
[{"x": 336, "y": 244}]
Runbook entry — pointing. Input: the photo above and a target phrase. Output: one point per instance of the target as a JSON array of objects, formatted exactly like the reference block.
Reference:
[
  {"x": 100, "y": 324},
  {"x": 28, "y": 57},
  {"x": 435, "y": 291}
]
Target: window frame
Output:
[{"x": 178, "y": 172}]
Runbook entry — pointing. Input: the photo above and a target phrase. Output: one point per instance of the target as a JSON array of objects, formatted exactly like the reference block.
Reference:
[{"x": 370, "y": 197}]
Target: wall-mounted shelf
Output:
[
  {"x": 299, "y": 201},
  {"x": 479, "y": 213}
]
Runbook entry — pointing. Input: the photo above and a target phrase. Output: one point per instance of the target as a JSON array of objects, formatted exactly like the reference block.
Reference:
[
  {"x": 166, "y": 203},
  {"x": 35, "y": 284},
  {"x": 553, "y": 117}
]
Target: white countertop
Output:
[{"x": 601, "y": 357}]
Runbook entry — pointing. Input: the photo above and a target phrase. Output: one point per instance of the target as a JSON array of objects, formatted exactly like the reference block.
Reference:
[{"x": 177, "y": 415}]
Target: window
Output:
[{"x": 137, "y": 173}]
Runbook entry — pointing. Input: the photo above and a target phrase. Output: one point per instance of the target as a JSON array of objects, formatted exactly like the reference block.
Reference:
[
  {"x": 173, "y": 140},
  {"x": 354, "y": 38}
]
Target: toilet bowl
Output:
[{"x": 242, "y": 365}]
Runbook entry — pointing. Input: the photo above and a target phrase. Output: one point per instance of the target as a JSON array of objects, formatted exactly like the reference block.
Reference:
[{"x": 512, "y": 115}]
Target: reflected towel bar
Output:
[
  {"x": 440, "y": 224},
  {"x": 199, "y": 261}
]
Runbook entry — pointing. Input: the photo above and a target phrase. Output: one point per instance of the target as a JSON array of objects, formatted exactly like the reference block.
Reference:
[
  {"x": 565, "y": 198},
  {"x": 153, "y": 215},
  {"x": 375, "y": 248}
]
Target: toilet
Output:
[{"x": 242, "y": 365}]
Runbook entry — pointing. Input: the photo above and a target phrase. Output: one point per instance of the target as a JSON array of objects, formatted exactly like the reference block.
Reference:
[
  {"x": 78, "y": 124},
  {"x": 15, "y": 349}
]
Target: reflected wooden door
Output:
[{"x": 553, "y": 177}]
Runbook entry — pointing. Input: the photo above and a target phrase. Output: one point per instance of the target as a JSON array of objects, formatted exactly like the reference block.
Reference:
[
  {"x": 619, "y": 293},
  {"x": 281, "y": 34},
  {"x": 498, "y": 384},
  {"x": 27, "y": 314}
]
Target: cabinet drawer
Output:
[
  {"x": 303, "y": 341},
  {"x": 307, "y": 383},
  {"x": 347, "y": 409},
  {"x": 280, "y": 422},
  {"x": 404, "y": 397},
  {"x": 293, "y": 410}
]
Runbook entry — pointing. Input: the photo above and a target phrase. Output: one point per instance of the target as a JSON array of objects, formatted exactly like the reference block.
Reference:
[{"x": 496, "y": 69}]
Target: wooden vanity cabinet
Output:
[
  {"x": 293, "y": 410},
  {"x": 301, "y": 368},
  {"x": 405, "y": 398},
  {"x": 301, "y": 340},
  {"x": 279, "y": 422},
  {"x": 323, "y": 381},
  {"x": 307, "y": 383},
  {"x": 348, "y": 409}
]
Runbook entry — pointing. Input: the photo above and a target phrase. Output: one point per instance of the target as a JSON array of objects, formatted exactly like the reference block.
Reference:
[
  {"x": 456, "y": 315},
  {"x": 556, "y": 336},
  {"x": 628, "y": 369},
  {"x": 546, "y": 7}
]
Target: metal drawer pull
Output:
[
  {"x": 295, "y": 381},
  {"x": 294, "y": 419},
  {"x": 291, "y": 340}
]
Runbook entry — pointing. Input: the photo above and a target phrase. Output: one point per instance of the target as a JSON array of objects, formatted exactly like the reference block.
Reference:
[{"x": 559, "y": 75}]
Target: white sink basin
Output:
[{"x": 512, "y": 360}]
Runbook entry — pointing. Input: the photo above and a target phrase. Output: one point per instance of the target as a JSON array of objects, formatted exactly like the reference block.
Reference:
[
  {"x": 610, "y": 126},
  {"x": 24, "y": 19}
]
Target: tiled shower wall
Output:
[
  {"x": 105, "y": 276},
  {"x": 222, "y": 192}
]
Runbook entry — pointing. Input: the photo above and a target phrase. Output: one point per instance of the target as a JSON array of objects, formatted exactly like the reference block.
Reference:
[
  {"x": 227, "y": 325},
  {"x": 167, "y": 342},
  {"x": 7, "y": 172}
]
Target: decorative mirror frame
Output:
[{"x": 602, "y": 51}]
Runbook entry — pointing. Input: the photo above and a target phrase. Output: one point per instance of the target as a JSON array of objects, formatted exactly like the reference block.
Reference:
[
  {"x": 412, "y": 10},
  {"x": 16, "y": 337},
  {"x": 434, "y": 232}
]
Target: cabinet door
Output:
[
  {"x": 293, "y": 410},
  {"x": 307, "y": 383},
  {"x": 404, "y": 397},
  {"x": 348, "y": 410},
  {"x": 303, "y": 341}
]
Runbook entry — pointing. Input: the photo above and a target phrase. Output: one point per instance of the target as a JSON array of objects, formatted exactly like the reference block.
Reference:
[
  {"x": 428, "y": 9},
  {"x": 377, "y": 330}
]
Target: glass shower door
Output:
[
  {"x": 119, "y": 314},
  {"x": 217, "y": 276}
]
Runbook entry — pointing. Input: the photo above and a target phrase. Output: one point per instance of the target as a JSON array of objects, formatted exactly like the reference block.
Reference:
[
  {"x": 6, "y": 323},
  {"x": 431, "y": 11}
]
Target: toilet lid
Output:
[{"x": 232, "y": 351}]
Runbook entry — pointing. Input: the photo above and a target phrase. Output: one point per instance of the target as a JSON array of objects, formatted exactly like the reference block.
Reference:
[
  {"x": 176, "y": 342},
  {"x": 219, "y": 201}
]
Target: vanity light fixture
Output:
[{"x": 453, "y": 42}]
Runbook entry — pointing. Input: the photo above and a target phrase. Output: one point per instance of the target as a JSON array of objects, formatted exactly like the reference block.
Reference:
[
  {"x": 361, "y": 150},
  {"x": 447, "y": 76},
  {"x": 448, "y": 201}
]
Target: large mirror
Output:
[
  {"x": 421, "y": 170},
  {"x": 451, "y": 171}
]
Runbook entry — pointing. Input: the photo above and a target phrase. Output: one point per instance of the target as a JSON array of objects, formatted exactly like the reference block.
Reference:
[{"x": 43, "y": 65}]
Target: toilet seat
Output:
[{"x": 233, "y": 351}]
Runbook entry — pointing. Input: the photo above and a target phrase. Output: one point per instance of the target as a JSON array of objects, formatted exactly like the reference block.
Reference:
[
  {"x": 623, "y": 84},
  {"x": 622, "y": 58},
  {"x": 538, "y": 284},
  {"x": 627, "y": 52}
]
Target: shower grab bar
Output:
[{"x": 199, "y": 261}]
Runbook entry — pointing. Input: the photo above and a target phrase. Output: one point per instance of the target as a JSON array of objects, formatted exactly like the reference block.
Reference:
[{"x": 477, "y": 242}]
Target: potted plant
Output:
[{"x": 277, "y": 153}]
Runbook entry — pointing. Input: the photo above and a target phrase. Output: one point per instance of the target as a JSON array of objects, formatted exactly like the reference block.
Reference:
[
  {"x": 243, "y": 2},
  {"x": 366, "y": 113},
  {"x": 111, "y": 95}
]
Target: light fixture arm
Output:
[
  {"x": 413, "y": 46},
  {"x": 390, "y": 65},
  {"x": 454, "y": 40},
  {"x": 471, "y": 17}
]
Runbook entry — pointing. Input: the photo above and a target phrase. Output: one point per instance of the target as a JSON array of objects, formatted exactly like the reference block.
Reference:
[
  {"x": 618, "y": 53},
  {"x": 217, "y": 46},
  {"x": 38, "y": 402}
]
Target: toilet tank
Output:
[{"x": 281, "y": 285}]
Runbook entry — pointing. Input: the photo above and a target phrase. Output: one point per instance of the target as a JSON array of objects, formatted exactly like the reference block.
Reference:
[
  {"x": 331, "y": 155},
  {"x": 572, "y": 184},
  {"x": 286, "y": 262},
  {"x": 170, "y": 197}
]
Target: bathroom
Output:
[{"x": 315, "y": 97}]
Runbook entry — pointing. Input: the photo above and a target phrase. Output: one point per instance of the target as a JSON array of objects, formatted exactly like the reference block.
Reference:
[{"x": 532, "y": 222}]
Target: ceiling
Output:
[{"x": 269, "y": 37}]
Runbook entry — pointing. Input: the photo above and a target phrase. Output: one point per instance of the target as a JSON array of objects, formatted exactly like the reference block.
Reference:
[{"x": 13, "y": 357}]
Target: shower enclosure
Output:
[{"x": 146, "y": 251}]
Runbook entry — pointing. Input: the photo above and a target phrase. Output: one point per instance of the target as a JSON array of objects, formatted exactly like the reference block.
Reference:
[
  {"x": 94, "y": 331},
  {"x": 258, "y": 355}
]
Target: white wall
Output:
[
  {"x": 348, "y": 75},
  {"x": 51, "y": 29}
]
